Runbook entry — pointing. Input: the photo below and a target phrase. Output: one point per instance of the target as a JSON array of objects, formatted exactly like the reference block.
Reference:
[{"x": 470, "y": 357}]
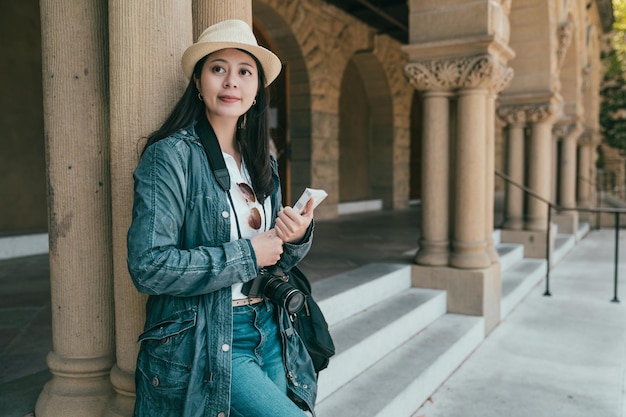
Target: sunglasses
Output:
[{"x": 254, "y": 220}]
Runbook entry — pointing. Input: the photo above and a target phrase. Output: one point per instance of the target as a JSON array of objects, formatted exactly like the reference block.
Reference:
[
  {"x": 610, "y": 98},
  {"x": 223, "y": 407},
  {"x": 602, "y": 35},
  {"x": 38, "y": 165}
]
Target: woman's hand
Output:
[
  {"x": 267, "y": 248},
  {"x": 291, "y": 226}
]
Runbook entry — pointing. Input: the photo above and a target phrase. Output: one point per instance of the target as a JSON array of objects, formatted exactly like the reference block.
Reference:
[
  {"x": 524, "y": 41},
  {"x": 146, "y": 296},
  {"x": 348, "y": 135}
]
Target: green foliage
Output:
[{"x": 613, "y": 91}]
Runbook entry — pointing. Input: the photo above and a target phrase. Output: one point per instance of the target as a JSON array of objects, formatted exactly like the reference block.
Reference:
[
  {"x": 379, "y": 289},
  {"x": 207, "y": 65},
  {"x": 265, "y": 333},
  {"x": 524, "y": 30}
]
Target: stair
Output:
[{"x": 395, "y": 344}]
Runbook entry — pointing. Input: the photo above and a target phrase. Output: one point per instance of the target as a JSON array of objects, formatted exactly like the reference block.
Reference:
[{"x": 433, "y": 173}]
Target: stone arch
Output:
[
  {"x": 297, "y": 97},
  {"x": 366, "y": 132}
]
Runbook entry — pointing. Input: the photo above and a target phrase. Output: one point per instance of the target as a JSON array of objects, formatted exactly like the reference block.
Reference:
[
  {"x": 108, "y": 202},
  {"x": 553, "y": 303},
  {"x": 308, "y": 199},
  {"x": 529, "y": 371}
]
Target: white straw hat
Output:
[{"x": 231, "y": 34}]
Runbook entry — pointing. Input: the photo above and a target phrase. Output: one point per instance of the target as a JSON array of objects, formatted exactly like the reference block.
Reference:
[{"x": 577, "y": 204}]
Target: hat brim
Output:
[{"x": 270, "y": 62}]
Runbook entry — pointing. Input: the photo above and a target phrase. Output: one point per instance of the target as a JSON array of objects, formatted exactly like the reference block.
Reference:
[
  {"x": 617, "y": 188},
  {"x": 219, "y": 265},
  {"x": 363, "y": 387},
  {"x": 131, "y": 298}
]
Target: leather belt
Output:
[{"x": 247, "y": 301}]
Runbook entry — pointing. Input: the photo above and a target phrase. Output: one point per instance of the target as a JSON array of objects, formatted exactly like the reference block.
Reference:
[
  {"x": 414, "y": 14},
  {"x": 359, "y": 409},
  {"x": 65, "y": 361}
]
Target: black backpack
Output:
[{"x": 311, "y": 324}]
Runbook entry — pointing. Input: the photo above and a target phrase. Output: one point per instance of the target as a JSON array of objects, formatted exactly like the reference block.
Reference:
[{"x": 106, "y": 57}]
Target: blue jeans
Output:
[{"x": 259, "y": 383}]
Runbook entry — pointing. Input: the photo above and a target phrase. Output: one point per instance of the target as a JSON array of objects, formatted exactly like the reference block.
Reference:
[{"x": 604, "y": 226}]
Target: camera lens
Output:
[
  {"x": 294, "y": 301},
  {"x": 284, "y": 294}
]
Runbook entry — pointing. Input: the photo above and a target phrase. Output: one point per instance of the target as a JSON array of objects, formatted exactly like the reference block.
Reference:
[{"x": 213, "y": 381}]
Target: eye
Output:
[
  {"x": 217, "y": 69},
  {"x": 245, "y": 72}
]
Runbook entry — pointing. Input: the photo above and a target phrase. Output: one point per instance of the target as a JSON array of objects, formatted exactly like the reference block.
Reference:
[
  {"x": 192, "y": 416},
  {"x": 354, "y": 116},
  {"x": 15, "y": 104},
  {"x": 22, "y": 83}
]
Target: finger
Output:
[{"x": 308, "y": 208}]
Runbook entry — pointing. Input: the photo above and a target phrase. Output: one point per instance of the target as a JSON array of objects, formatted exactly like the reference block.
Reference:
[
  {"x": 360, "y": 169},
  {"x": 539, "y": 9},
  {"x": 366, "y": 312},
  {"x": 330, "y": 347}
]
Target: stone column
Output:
[
  {"x": 540, "y": 165},
  {"x": 471, "y": 277},
  {"x": 490, "y": 183},
  {"x": 74, "y": 44},
  {"x": 585, "y": 174},
  {"x": 567, "y": 220},
  {"x": 515, "y": 117},
  {"x": 554, "y": 169},
  {"x": 569, "y": 166},
  {"x": 147, "y": 40},
  {"x": 469, "y": 240},
  {"x": 434, "y": 240},
  {"x": 208, "y": 12}
]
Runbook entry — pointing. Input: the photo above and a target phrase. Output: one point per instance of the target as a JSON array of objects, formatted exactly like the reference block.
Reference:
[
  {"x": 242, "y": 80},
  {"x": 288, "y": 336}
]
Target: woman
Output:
[{"x": 208, "y": 349}]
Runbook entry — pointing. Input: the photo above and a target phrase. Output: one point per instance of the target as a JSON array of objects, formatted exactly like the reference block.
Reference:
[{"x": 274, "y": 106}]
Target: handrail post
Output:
[
  {"x": 598, "y": 204},
  {"x": 617, "y": 226},
  {"x": 548, "y": 254}
]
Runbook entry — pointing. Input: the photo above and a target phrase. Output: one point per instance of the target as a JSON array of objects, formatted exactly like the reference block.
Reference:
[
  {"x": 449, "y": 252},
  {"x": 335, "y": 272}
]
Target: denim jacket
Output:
[{"x": 180, "y": 254}]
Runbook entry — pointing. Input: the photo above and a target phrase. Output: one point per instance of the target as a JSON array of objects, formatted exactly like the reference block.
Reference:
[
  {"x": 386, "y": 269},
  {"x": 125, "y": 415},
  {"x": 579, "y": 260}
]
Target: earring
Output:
[
  {"x": 199, "y": 96},
  {"x": 254, "y": 102}
]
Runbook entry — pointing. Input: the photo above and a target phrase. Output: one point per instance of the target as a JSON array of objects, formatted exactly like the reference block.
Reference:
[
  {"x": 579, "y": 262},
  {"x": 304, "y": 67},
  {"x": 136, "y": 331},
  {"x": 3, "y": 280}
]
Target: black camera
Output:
[{"x": 273, "y": 284}]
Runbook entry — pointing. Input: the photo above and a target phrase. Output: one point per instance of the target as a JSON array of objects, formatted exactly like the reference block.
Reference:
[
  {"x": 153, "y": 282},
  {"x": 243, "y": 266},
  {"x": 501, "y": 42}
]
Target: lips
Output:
[{"x": 229, "y": 99}]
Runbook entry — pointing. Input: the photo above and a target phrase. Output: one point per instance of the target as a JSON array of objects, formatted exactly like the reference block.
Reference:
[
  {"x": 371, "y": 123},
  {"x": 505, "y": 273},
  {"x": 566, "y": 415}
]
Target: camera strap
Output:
[{"x": 213, "y": 152}]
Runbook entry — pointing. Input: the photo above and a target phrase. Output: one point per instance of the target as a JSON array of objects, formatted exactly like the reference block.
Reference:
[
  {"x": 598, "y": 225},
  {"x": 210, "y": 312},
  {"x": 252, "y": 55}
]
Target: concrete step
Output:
[
  {"x": 562, "y": 245},
  {"x": 518, "y": 280},
  {"x": 509, "y": 254},
  {"x": 367, "y": 337},
  {"x": 348, "y": 293},
  {"x": 398, "y": 384}
]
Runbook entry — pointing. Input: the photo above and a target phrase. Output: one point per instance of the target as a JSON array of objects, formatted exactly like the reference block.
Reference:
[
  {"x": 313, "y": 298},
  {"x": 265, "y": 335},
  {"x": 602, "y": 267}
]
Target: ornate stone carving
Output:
[
  {"x": 512, "y": 115},
  {"x": 589, "y": 137},
  {"x": 567, "y": 130},
  {"x": 479, "y": 71},
  {"x": 532, "y": 113},
  {"x": 565, "y": 35},
  {"x": 543, "y": 112}
]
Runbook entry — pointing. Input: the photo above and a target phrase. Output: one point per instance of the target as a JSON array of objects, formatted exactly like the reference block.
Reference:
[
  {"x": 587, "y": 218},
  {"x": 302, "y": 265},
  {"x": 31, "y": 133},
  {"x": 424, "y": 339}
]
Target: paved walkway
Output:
[{"x": 558, "y": 356}]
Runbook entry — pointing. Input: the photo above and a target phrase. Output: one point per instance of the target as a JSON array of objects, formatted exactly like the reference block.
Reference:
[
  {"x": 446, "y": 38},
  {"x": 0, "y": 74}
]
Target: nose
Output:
[{"x": 230, "y": 81}]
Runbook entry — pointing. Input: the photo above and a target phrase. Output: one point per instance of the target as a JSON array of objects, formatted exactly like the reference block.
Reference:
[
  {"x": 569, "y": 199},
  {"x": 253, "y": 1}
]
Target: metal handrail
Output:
[{"x": 551, "y": 205}]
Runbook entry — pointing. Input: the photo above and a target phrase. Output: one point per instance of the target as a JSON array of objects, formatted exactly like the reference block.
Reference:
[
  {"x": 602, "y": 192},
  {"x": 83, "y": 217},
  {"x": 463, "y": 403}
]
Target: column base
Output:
[
  {"x": 514, "y": 224},
  {"x": 534, "y": 241},
  {"x": 567, "y": 222},
  {"x": 79, "y": 387},
  {"x": 538, "y": 225},
  {"x": 432, "y": 258},
  {"x": 492, "y": 253},
  {"x": 123, "y": 403},
  {"x": 433, "y": 252},
  {"x": 476, "y": 292},
  {"x": 469, "y": 255}
]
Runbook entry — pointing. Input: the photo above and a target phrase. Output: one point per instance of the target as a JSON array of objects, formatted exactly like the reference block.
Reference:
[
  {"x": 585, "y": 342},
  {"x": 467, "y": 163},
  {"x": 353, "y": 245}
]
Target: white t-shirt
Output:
[{"x": 243, "y": 209}]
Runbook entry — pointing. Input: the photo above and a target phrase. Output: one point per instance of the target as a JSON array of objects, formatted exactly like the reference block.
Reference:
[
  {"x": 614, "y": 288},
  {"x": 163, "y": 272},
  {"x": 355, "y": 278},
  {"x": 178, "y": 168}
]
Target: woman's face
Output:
[{"x": 228, "y": 83}]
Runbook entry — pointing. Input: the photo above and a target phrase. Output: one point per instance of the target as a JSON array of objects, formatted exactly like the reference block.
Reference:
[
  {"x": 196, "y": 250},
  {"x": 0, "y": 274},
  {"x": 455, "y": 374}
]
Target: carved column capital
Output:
[
  {"x": 532, "y": 113},
  {"x": 478, "y": 71},
  {"x": 512, "y": 114},
  {"x": 589, "y": 138},
  {"x": 543, "y": 112},
  {"x": 567, "y": 130}
]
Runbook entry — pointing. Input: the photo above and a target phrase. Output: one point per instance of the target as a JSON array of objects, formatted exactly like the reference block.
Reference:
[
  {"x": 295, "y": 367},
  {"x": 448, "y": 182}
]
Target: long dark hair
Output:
[{"x": 252, "y": 128}]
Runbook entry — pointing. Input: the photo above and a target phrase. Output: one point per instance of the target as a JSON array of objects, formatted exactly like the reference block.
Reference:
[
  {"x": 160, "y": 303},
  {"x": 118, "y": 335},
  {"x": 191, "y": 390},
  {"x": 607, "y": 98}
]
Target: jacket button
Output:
[
  {"x": 225, "y": 347},
  {"x": 155, "y": 381},
  {"x": 221, "y": 414},
  {"x": 225, "y": 214}
]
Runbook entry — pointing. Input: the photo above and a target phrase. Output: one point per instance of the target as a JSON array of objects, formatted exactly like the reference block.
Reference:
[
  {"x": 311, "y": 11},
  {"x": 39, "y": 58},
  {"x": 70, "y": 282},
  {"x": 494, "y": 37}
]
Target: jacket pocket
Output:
[
  {"x": 171, "y": 339},
  {"x": 161, "y": 386},
  {"x": 165, "y": 361}
]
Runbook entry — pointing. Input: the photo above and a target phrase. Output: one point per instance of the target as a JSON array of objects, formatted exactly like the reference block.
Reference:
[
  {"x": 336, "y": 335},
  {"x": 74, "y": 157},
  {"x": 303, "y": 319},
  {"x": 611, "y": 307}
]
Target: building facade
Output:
[{"x": 471, "y": 87}]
